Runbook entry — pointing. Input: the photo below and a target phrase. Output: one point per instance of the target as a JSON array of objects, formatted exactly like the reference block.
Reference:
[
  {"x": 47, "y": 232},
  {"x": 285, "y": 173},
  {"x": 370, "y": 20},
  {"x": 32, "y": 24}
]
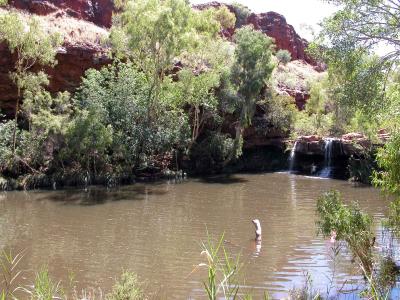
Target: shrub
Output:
[
  {"x": 283, "y": 57},
  {"x": 242, "y": 13},
  {"x": 126, "y": 288},
  {"x": 350, "y": 225},
  {"x": 116, "y": 98},
  {"x": 281, "y": 112},
  {"x": 209, "y": 155}
]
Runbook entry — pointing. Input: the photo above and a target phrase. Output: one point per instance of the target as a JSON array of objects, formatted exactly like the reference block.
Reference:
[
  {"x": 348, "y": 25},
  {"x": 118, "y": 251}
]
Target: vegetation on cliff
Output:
[
  {"x": 173, "y": 85},
  {"x": 177, "y": 94}
]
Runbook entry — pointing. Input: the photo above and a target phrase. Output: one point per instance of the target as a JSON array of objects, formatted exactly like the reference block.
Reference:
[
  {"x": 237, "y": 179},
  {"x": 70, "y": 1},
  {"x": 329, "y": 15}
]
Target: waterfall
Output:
[
  {"x": 292, "y": 157},
  {"x": 326, "y": 171}
]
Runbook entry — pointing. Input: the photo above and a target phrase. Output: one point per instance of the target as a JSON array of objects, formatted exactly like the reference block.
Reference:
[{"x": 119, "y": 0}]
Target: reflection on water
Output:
[{"x": 155, "y": 230}]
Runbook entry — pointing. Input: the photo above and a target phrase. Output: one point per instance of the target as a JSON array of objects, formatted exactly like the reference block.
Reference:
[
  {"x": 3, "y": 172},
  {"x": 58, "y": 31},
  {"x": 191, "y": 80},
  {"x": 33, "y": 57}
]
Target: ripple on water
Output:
[{"x": 155, "y": 230}]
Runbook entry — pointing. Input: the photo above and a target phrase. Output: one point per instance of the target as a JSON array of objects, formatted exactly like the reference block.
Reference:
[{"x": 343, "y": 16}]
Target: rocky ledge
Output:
[{"x": 347, "y": 145}]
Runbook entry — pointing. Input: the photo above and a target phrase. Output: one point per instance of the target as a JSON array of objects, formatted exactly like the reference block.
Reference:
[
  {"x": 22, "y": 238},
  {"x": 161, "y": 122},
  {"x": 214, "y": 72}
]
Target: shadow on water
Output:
[
  {"x": 100, "y": 195},
  {"x": 222, "y": 179}
]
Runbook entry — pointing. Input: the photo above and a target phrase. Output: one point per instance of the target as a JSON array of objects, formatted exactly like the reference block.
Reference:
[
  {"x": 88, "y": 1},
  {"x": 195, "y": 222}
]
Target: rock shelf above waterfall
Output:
[{"x": 328, "y": 157}]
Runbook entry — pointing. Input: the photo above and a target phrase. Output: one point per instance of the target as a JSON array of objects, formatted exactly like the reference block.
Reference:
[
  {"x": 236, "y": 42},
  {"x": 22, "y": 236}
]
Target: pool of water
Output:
[{"x": 86, "y": 238}]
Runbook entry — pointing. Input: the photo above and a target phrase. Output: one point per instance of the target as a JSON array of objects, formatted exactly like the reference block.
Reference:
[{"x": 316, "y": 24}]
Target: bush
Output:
[
  {"x": 116, "y": 99},
  {"x": 361, "y": 169},
  {"x": 281, "y": 112},
  {"x": 350, "y": 225},
  {"x": 306, "y": 124},
  {"x": 210, "y": 154},
  {"x": 242, "y": 13},
  {"x": 127, "y": 288},
  {"x": 283, "y": 57}
]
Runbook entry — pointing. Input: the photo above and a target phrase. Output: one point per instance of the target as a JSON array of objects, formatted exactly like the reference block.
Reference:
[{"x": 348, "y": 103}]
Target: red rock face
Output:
[
  {"x": 96, "y": 11},
  {"x": 275, "y": 26},
  {"x": 73, "y": 61}
]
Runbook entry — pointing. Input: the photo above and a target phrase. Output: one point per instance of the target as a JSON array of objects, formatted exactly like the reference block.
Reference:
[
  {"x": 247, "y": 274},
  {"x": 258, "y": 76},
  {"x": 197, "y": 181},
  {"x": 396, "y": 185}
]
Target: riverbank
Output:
[{"x": 313, "y": 156}]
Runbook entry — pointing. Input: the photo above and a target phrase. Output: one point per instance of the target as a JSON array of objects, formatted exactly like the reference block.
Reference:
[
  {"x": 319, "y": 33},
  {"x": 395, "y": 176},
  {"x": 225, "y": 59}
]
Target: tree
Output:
[
  {"x": 283, "y": 57},
  {"x": 250, "y": 73},
  {"x": 32, "y": 46},
  {"x": 365, "y": 23},
  {"x": 155, "y": 33},
  {"x": 199, "y": 80},
  {"x": 357, "y": 76}
]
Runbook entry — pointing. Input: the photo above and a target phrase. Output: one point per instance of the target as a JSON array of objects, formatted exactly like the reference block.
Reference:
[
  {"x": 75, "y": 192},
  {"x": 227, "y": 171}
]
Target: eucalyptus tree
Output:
[
  {"x": 32, "y": 46},
  {"x": 250, "y": 72},
  {"x": 152, "y": 33},
  {"x": 366, "y": 23},
  {"x": 200, "y": 79},
  {"x": 156, "y": 35},
  {"x": 350, "y": 39}
]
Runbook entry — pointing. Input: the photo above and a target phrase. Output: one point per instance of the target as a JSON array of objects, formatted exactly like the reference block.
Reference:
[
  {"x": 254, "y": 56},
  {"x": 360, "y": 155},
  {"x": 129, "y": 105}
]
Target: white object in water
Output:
[
  {"x": 257, "y": 224},
  {"x": 333, "y": 236}
]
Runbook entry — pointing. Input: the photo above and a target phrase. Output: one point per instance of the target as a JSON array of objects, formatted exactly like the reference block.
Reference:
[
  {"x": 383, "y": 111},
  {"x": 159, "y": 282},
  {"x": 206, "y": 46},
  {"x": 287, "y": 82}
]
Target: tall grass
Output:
[
  {"x": 222, "y": 270},
  {"x": 10, "y": 273},
  {"x": 44, "y": 287}
]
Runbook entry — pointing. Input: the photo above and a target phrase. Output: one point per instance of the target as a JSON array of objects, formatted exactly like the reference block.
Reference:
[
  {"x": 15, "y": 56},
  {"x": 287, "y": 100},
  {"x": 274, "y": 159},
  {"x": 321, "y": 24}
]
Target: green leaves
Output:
[
  {"x": 349, "y": 224},
  {"x": 388, "y": 158},
  {"x": 283, "y": 56},
  {"x": 27, "y": 38},
  {"x": 252, "y": 67}
]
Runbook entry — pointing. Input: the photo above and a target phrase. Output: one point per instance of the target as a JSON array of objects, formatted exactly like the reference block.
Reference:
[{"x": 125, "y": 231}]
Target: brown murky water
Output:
[{"x": 155, "y": 230}]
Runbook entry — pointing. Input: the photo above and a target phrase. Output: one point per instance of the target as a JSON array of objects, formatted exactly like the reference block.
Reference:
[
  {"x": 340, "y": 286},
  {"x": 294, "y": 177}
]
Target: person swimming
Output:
[{"x": 257, "y": 224}]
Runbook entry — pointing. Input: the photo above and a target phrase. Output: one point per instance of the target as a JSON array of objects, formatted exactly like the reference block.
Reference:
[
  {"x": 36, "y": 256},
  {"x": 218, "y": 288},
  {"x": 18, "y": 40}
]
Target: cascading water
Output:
[
  {"x": 292, "y": 157},
  {"x": 326, "y": 171}
]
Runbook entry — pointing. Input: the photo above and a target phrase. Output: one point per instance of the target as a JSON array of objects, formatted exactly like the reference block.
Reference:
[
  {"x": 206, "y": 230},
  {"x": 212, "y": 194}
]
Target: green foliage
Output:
[
  {"x": 281, "y": 113},
  {"x": 388, "y": 274},
  {"x": 250, "y": 73},
  {"x": 242, "y": 13},
  {"x": 388, "y": 158},
  {"x": 153, "y": 33},
  {"x": 87, "y": 141},
  {"x": 6, "y": 155},
  {"x": 225, "y": 17},
  {"x": 350, "y": 225},
  {"x": 283, "y": 56},
  {"x": 317, "y": 116},
  {"x": 29, "y": 41},
  {"x": 210, "y": 154},
  {"x": 198, "y": 81},
  {"x": 365, "y": 23},
  {"x": 32, "y": 46},
  {"x": 126, "y": 288},
  {"x": 387, "y": 178},
  {"x": 113, "y": 124},
  {"x": 306, "y": 124},
  {"x": 252, "y": 68},
  {"x": 44, "y": 288}
]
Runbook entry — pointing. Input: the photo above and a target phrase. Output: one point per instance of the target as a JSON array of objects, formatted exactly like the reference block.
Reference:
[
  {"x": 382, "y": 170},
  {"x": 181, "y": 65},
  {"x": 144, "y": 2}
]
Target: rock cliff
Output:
[{"x": 97, "y": 11}]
